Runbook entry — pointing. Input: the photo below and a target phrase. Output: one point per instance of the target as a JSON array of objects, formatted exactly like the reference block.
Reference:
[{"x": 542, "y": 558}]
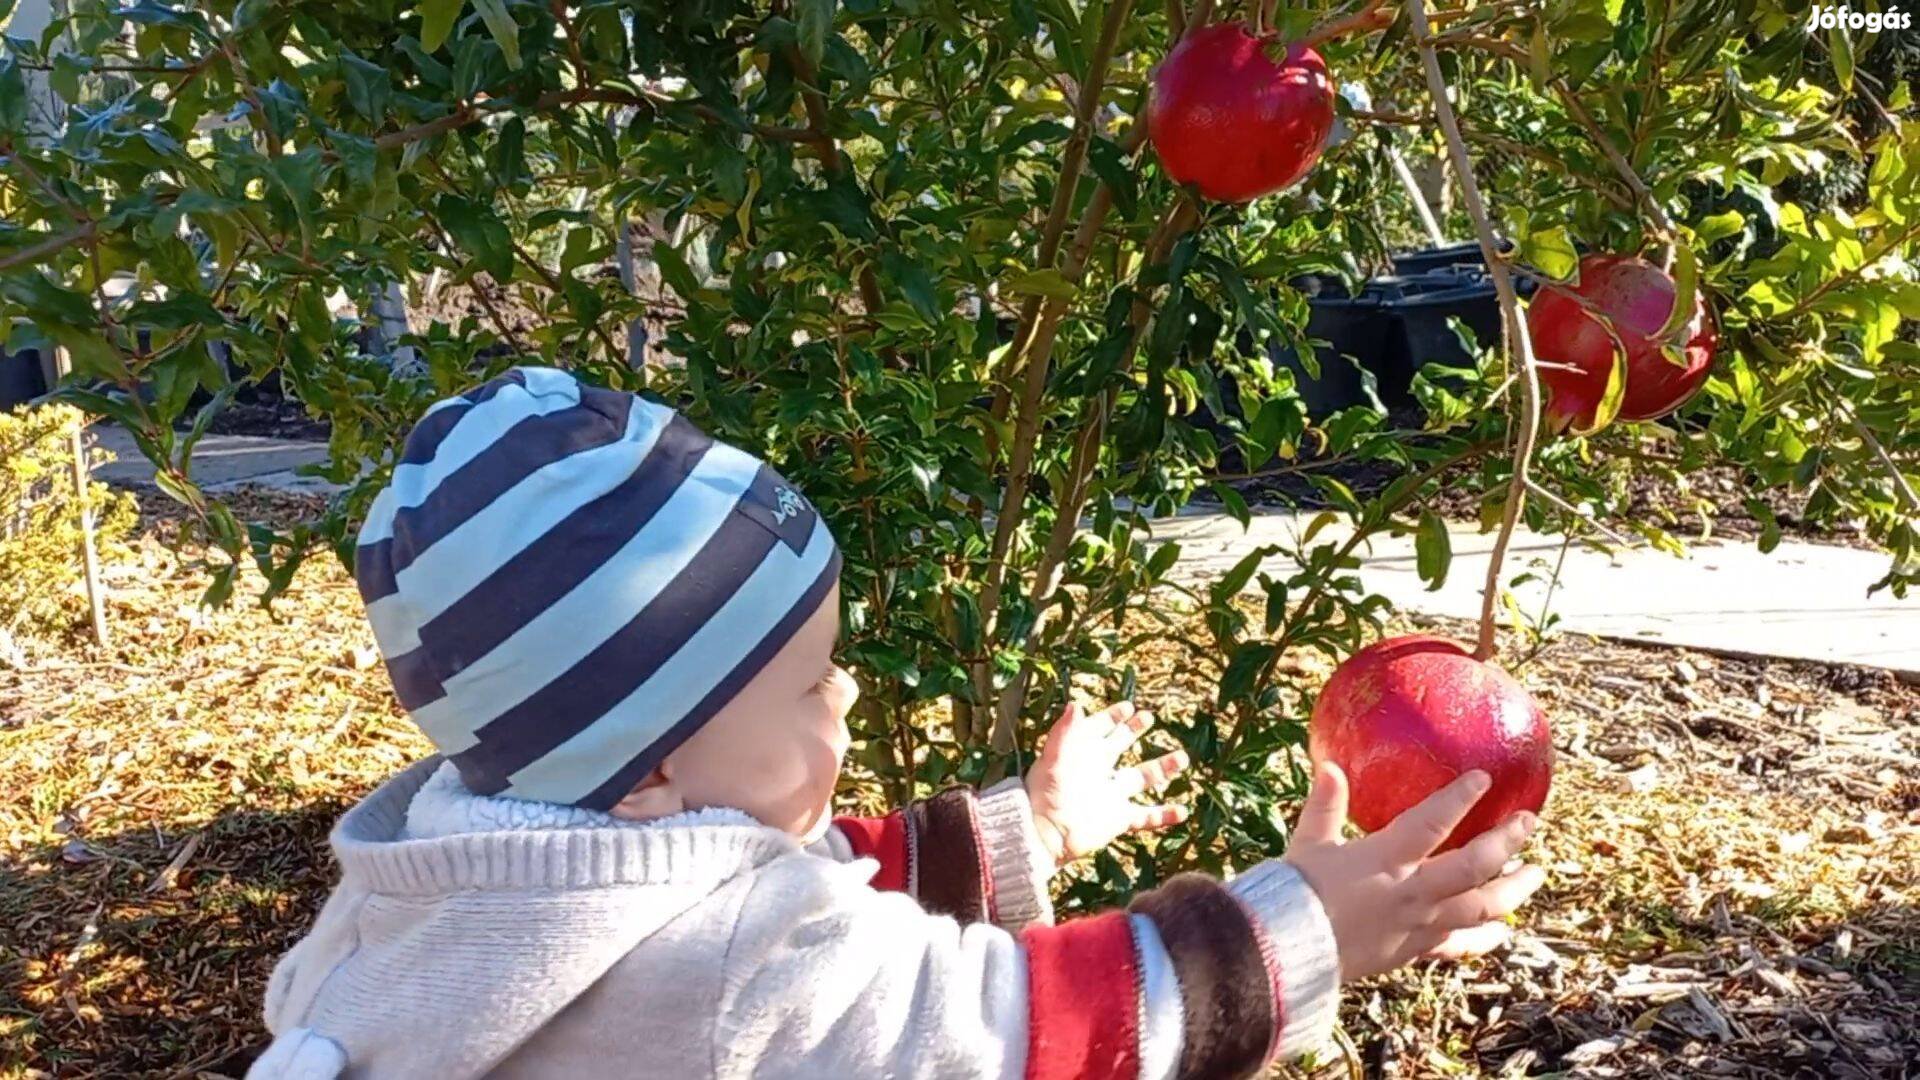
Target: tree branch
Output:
[
  {"x": 1578, "y": 111},
  {"x": 1373, "y": 16},
  {"x": 1806, "y": 302},
  {"x": 1517, "y": 337},
  {"x": 1086, "y": 457},
  {"x": 1032, "y": 335},
  {"x": 1900, "y": 485},
  {"x": 816, "y": 105},
  {"x": 56, "y": 242}
]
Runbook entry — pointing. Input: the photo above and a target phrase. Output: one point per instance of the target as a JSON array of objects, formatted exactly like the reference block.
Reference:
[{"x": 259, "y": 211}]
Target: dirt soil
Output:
[{"x": 1734, "y": 850}]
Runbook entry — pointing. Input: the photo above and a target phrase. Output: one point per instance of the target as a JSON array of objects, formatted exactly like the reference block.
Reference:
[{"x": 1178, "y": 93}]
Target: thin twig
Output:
[
  {"x": 56, "y": 242},
  {"x": 1517, "y": 337},
  {"x": 815, "y": 104},
  {"x": 1900, "y": 484},
  {"x": 1373, "y": 16},
  {"x": 1578, "y": 513},
  {"x": 1806, "y": 302}
]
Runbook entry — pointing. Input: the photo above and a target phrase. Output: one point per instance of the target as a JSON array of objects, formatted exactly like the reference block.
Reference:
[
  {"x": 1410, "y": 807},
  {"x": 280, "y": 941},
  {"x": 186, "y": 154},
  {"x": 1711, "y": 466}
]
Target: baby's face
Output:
[{"x": 775, "y": 749}]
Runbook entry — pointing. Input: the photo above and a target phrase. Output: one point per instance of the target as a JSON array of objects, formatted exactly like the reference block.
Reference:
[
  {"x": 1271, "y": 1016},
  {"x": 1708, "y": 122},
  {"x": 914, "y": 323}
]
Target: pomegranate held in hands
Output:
[
  {"x": 1576, "y": 353},
  {"x": 1234, "y": 121},
  {"x": 1404, "y": 716}
]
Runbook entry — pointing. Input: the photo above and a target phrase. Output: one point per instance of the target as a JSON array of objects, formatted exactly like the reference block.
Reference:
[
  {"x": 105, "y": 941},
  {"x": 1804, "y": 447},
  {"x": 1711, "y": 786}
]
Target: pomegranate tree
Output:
[
  {"x": 1404, "y": 716},
  {"x": 1239, "y": 116}
]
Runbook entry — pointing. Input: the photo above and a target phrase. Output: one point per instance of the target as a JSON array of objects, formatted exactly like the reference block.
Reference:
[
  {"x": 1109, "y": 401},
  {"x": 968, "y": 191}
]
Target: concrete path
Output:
[
  {"x": 1800, "y": 601},
  {"x": 221, "y": 462}
]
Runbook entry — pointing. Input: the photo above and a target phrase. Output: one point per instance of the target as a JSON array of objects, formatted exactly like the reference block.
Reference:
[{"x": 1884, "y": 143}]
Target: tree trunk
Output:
[
  {"x": 641, "y": 277},
  {"x": 386, "y": 321},
  {"x": 46, "y": 113},
  {"x": 1432, "y": 174}
]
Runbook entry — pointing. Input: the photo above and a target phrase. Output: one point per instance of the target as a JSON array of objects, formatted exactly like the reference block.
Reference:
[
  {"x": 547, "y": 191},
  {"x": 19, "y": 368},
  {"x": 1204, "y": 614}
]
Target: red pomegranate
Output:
[
  {"x": 1577, "y": 353},
  {"x": 1404, "y": 716},
  {"x": 1235, "y": 122}
]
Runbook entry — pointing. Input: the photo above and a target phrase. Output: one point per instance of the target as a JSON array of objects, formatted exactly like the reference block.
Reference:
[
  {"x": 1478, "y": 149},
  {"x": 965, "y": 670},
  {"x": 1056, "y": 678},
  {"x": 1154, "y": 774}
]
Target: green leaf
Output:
[
  {"x": 1686, "y": 286},
  {"x": 368, "y": 85},
  {"x": 1320, "y": 521},
  {"x": 13, "y": 97},
  {"x": 508, "y": 162},
  {"x": 1048, "y": 282},
  {"x": 1113, "y": 168},
  {"x": 1540, "y": 56},
  {"x": 1236, "y": 579},
  {"x": 814, "y": 19},
  {"x": 1432, "y": 550},
  {"x": 576, "y": 251},
  {"x": 1840, "y": 48},
  {"x": 1234, "y": 504},
  {"x": 1551, "y": 252},
  {"x": 1769, "y": 524},
  {"x": 1249, "y": 660},
  {"x": 436, "y": 21},
  {"x": 1616, "y": 391},
  {"x": 910, "y": 276},
  {"x": 1720, "y": 226},
  {"x": 1162, "y": 560},
  {"x": 46, "y": 300},
  {"x": 675, "y": 272},
  {"x": 500, "y": 24},
  {"x": 201, "y": 421},
  {"x": 480, "y": 233}
]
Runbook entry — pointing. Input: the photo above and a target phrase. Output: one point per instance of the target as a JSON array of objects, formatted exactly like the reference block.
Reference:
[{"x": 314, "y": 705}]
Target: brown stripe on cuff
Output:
[
  {"x": 1224, "y": 985},
  {"x": 952, "y": 877}
]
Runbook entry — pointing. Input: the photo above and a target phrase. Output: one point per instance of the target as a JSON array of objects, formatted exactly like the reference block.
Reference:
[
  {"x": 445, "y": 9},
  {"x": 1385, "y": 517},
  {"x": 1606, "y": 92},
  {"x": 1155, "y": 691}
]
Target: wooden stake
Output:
[{"x": 89, "y": 556}]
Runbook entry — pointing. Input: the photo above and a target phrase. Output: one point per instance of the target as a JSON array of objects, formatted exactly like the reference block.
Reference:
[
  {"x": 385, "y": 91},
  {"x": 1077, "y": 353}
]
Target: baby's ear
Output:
[{"x": 653, "y": 797}]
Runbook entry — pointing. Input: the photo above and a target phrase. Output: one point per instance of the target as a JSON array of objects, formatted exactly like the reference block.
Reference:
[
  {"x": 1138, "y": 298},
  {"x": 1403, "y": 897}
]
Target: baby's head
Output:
[{"x": 582, "y": 599}]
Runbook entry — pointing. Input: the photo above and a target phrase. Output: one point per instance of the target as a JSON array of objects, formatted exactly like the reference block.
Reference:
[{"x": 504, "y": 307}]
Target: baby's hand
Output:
[
  {"x": 1080, "y": 800},
  {"x": 1387, "y": 901}
]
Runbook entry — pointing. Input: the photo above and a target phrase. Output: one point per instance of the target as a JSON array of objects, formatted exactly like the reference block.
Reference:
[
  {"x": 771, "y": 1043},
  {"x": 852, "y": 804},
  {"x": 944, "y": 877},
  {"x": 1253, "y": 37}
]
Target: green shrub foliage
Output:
[{"x": 915, "y": 252}]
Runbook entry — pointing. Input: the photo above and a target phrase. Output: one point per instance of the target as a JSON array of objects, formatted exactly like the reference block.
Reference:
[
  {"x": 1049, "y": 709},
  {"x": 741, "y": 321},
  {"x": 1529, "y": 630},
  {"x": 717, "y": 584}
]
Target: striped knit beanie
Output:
[{"x": 566, "y": 582}]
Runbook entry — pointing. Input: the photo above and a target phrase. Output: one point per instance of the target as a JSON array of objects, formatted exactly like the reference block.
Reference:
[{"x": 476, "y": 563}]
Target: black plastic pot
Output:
[
  {"x": 1352, "y": 326},
  {"x": 1412, "y": 263},
  {"x": 20, "y": 377},
  {"x": 1427, "y": 339}
]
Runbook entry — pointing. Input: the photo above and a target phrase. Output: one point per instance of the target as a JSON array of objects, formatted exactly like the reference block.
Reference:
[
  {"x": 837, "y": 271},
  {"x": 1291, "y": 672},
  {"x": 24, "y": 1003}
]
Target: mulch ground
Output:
[{"x": 1734, "y": 851}]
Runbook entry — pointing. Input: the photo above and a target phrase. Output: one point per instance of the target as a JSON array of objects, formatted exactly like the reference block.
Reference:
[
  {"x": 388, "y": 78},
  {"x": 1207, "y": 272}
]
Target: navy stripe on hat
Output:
[
  {"x": 556, "y": 564},
  {"x": 622, "y": 663},
  {"x": 622, "y": 781},
  {"x": 536, "y": 442},
  {"x": 566, "y": 582},
  {"x": 425, "y": 439}
]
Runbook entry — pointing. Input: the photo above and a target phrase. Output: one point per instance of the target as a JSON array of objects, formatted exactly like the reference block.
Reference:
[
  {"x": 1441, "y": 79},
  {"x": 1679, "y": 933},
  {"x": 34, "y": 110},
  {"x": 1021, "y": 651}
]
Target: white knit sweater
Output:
[{"x": 473, "y": 936}]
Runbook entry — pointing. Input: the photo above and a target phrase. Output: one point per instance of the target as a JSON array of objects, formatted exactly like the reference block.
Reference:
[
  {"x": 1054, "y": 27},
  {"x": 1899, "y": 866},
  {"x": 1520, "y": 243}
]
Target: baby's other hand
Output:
[
  {"x": 1081, "y": 800},
  {"x": 1387, "y": 900}
]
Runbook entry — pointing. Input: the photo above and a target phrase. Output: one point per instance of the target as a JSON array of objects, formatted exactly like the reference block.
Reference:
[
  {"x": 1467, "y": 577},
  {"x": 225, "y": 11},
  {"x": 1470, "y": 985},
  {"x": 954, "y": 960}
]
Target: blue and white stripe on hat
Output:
[{"x": 567, "y": 581}]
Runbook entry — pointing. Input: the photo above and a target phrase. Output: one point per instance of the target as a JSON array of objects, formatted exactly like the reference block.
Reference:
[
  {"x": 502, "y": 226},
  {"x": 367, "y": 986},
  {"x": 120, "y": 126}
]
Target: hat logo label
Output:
[{"x": 790, "y": 505}]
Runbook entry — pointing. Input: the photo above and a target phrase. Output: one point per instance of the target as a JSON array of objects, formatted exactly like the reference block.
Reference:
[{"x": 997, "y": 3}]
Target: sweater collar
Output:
[
  {"x": 444, "y": 807},
  {"x": 482, "y": 847}
]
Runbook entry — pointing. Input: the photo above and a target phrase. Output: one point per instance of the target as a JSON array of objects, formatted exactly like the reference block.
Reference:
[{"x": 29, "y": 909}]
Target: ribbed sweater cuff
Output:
[
  {"x": 1016, "y": 860},
  {"x": 1300, "y": 951}
]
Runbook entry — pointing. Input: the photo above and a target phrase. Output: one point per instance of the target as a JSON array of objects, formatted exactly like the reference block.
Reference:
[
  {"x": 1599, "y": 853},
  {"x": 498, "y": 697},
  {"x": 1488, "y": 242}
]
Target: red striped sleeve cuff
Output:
[
  {"x": 883, "y": 840},
  {"x": 1083, "y": 1000}
]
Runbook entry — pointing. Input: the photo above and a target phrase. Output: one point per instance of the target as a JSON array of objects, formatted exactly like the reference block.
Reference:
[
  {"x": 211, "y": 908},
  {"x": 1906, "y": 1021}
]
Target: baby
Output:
[{"x": 619, "y": 635}]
